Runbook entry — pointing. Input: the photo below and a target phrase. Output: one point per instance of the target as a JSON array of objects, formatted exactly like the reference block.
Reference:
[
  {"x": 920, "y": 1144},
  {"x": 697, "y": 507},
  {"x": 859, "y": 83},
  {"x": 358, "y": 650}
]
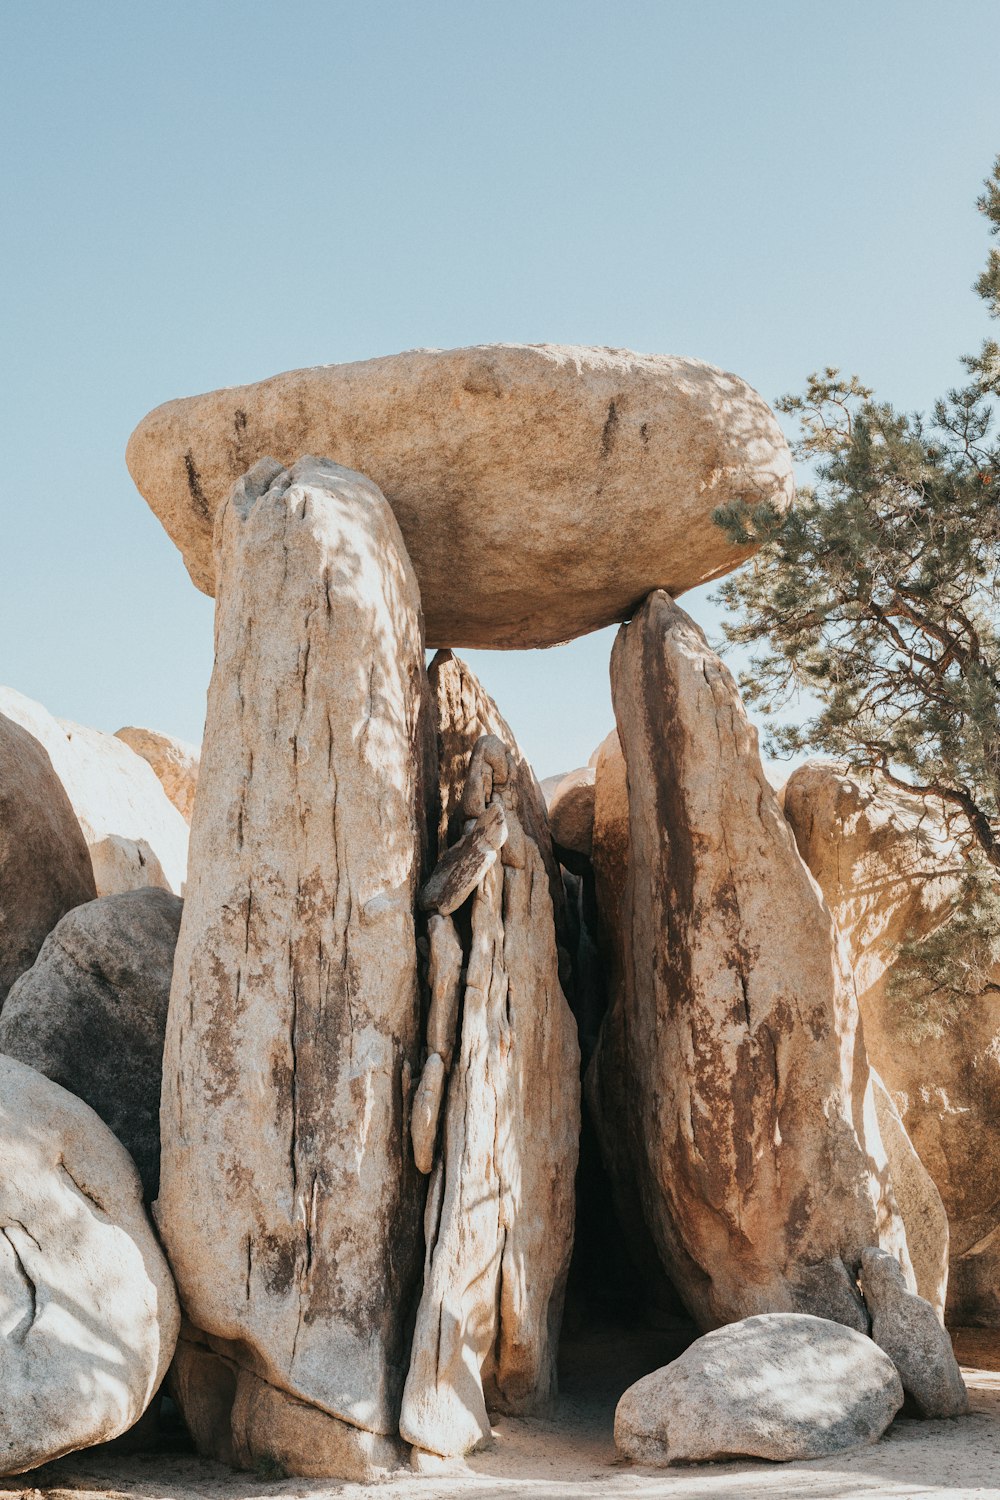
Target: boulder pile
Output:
[{"x": 309, "y": 1143}]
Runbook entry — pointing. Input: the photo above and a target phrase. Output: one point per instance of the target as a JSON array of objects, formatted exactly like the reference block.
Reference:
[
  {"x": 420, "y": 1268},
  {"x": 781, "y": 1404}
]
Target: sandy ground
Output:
[{"x": 569, "y": 1455}]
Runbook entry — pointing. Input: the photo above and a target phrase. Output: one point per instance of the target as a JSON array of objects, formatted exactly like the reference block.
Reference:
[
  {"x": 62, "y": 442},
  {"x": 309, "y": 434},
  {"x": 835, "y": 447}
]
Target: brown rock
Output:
[
  {"x": 174, "y": 762},
  {"x": 918, "y": 1200},
  {"x": 289, "y": 1202},
  {"x": 910, "y": 1332},
  {"x": 492, "y": 455},
  {"x": 45, "y": 868},
  {"x": 748, "y": 1081},
  {"x": 463, "y": 867},
  {"x": 571, "y": 811},
  {"x": 444, "y": 974},
  {"x": 890, "y": 872}
]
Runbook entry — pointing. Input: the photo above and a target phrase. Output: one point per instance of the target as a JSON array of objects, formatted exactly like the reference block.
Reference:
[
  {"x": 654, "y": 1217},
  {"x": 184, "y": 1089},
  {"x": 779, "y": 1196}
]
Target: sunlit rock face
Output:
[
  {"x": 890, "y": 873},
  {"x": 289, "y": 1202},
  {"x": 88, "y": 1312},
  {"x": 731, "y": 1061},
  {"x": 541, "y": 489},
  {"x": 780, "y": 1386},
  {"x": 174, "y": 762}
]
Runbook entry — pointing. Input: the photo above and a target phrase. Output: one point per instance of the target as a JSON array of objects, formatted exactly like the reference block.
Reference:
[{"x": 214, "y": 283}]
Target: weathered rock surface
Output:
[
  {"x": 889, "y": 873},
  {"x": 494, "y": 454},
  {"x": 749, "y": 1115},
  {"x": 135, "y": 834},
  {"x": 88, "y": 1313},
  {"x": 444, "y": 976},
  {"x": 781, "y": 1386},
  {"x": 92, "y": 1010},
  {"x": 909, "y": 1330},
  {"x": 463, "y": 867},
  {"x": 289, "y": 1202},
  {"x": 571, "y": 811},
  {"x": 499, "y": 1219},
  {"x": 45, "y": 868},
  {"x": 918, "y": 1201},
  {"x": 175, "y": 763}
]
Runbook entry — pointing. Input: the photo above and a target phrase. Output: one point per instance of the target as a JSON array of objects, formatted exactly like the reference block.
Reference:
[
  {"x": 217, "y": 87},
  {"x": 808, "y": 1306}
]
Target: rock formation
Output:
[
  {"x": 780, "y": 1386},
  {"x": 889, "y": 872},
  {"x": 45, "y": 868},
  {"x": 91, "y": 1013},
  {"x": 289, "y": 1202},
  {"x": 747, "y": 1084},
  {"x": 498, "y": 454},
  {"x": 88, "y": 1313},
  {"x": 174, "y": 762},
  {"x": 135, "y": 835},
  {"x": 571, "y": 817},
  {"x": 909, "y": 1330},
  {"x": 918, "y": 1200},
  {"x": 499, "y": 1220}
]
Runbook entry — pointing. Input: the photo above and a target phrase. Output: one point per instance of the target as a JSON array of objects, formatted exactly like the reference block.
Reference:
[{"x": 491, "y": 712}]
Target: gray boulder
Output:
[
  {"x": 92, "y": 1011},
  {"x": 907, "y": 1328},
  {"x": 781, "y": 1386}
]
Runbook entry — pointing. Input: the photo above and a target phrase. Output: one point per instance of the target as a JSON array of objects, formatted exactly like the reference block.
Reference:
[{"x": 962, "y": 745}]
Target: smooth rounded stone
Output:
[
  {"x": 909, "y": 1330},
  {"x": 918, "y": 1200},
  {"x": 781, "y": 1386},
  {"x": 571, "y": 811},
  {"x": 426, "y": 1112},
  {"x": 548, "y": 785},
  {"x": 289, "y": 1201},
  {"x": 88, "y": 1312},
  {"x": 493, "y": 455},
  {"x": 92, "y": 1010},
  {"x": 45, "y": 867},
  {"x": 135, "y": 835},
  {"x": 463, "y": 867},
  {"x": 174, "y": 761},
  {"x": 444, "y": 976},
  {"x": 749, "y": 1119},
  {"x": 890, "y": 872}
]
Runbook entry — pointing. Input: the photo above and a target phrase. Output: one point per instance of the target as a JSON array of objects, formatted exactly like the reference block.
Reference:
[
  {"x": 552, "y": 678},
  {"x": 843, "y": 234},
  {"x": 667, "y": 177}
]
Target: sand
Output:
[{"x": 569, "y": 1455}]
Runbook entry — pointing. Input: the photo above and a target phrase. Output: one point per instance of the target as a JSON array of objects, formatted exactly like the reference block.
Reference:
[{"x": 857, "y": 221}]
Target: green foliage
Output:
[
  {"x": 938, "y": 978},
  {"x": 878, "y": 594}
]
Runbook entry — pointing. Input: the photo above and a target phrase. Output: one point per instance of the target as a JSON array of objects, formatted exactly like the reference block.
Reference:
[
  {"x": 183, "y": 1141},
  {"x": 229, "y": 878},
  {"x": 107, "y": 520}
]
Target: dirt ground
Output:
[{"x": 570, "y": 1455}]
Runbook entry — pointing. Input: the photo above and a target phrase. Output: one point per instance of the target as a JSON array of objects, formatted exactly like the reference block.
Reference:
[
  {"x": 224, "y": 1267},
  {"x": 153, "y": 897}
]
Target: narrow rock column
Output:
[
  {"x": 289, "y": 1201},
  {"x": 749, "y": 1112}
]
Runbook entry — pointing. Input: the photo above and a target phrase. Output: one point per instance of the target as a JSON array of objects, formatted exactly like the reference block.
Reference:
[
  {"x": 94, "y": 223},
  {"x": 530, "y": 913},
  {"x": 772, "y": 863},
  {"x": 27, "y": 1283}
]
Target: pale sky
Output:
[{"x": 202, "y": 194}]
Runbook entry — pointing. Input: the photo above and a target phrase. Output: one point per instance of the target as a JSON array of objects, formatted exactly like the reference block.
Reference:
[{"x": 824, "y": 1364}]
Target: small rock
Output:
[
  {"x": 781, "y": 1386},
  {"x": 426, "y": 1112},
  {"x": 464, "y": 866},
  {"x": 444, "y": 977},
  {"x": 907, "y": 1328}
]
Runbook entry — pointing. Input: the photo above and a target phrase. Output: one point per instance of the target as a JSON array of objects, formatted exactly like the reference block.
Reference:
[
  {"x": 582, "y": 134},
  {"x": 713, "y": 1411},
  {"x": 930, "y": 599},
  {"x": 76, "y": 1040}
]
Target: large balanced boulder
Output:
[
  {"x": 289, "y": 1202},
  {"x": 780, "y": 1386},
  {"x": 890, "y": 874},
  {"x": 174, "y": 762},
  {"x": 500, "y": 1210},
  {"x": 490, "y": 458},
  {"x": 45, "y": 867},
  {"x": 88, "y": 1312},
  {"x": 748, "y": 1112},
  {"x": 92, "y": 1010},
  {"x": 135, "y": 834}
]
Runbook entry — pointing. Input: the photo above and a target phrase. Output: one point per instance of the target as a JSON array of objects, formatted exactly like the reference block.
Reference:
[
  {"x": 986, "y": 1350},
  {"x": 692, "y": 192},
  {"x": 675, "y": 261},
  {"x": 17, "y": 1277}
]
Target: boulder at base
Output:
[
  {"x": 45, "y": 867},
  {"x": 748, "y": 1112},
  {"x": 910, "y": 1332},
  {"x": 92, "y": 1010},
  {"x": 174, "y": 761},
  {"x": 782, "y": 1386},
  {"x": 491, "y": 457},
  {"x": 88, "y": 1312},
  {"x": 135, "y": 834},
  {"x": 289, "y": 1201}
]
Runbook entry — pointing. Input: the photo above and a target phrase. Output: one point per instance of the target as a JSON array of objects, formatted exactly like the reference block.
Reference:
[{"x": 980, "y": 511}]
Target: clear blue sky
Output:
[{"x": 197, "y": 195}]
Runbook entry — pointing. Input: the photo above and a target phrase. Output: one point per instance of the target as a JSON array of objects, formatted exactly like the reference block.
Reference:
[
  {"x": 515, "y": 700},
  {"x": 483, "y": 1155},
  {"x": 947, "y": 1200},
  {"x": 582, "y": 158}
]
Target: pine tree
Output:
[{"x": 878, "y": 594}]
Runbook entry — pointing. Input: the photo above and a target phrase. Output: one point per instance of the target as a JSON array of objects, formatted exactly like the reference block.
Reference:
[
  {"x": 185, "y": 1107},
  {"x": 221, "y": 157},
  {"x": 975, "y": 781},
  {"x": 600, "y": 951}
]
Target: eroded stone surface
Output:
[
  {"x": 494, "y": 455},
  {"x": 88, "y": 1312},
  {"x": 780, "y": 1386},
  {"x": 918, "y": 1200},
  {"x": 45, "y": 867},
  {"x": 909, "y": 1330},
  {"x": 289, "y": 1201},
  {"x": 92, "y": 1010},
  {"x": 749, "y": 1118}
]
